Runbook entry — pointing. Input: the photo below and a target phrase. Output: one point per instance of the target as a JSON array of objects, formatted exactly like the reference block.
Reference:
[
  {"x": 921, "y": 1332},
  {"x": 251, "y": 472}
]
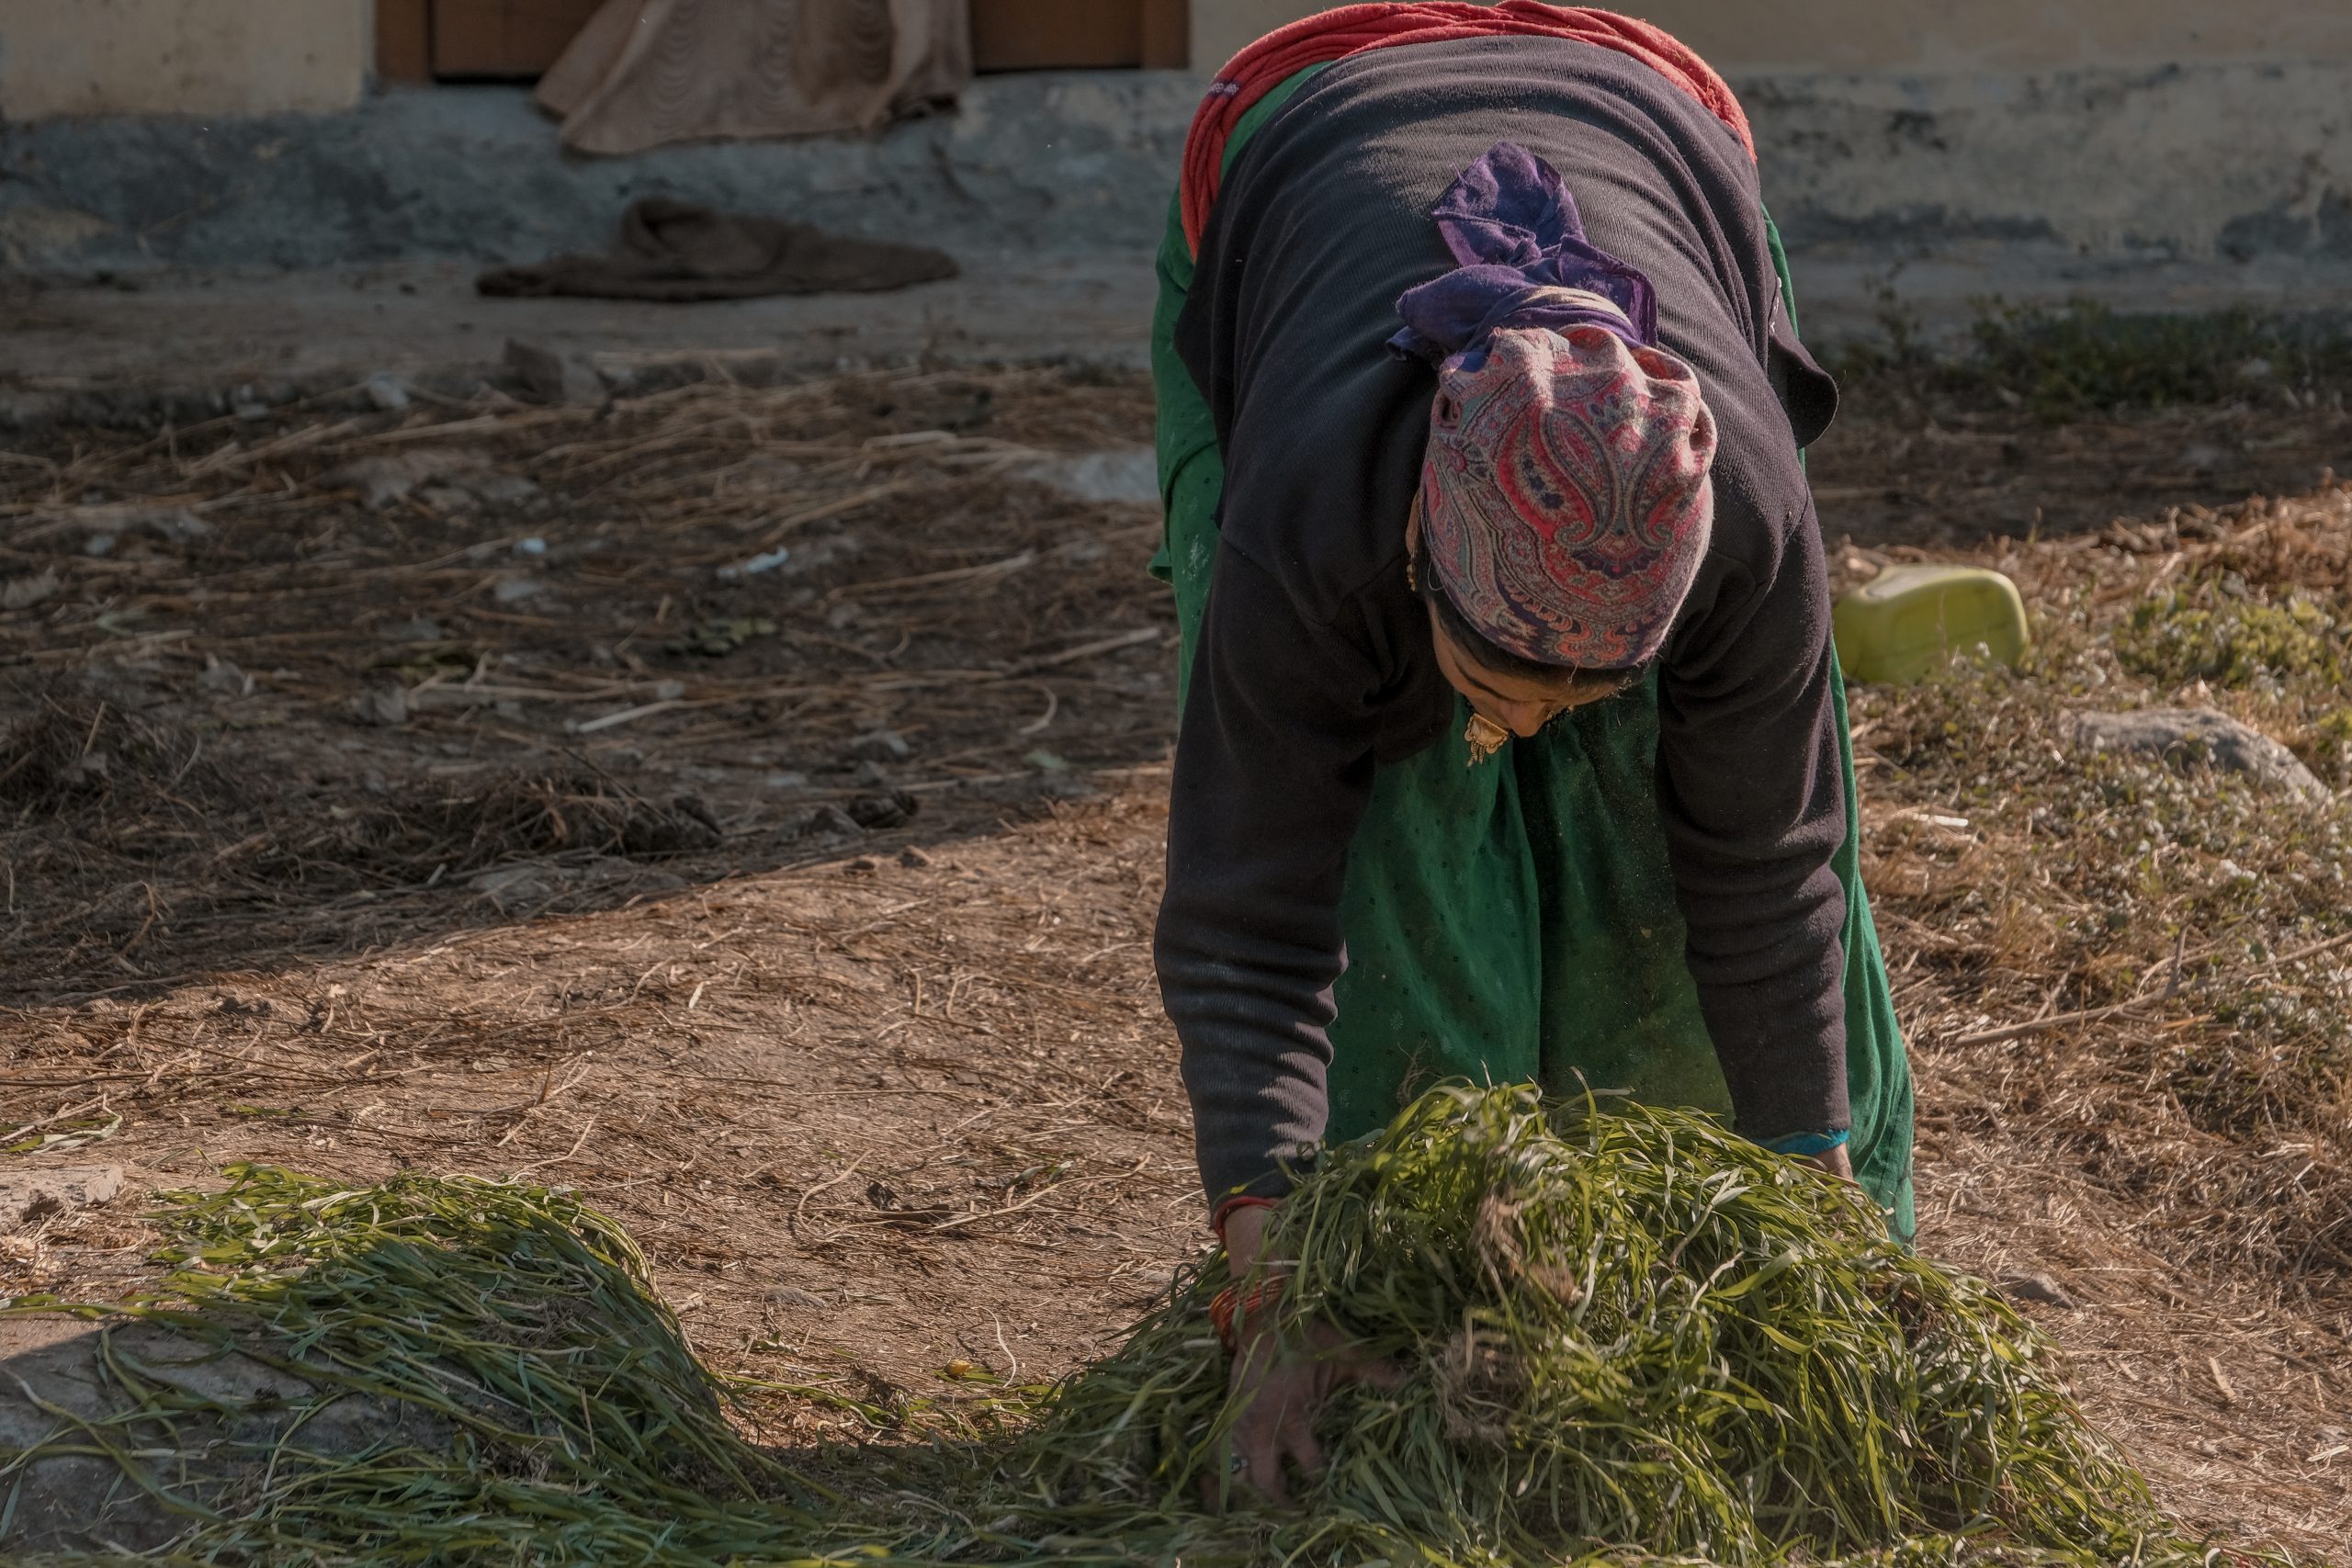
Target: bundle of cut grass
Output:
[
  {"x": 1627, "y": 1331},
  {"x": 561, "y": 1415},
  {"x": 1628, "y": 1337}
]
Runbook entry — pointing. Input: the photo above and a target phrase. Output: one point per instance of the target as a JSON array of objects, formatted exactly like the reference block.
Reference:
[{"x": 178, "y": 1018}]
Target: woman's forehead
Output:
[{"x": 1501, "y": 685}]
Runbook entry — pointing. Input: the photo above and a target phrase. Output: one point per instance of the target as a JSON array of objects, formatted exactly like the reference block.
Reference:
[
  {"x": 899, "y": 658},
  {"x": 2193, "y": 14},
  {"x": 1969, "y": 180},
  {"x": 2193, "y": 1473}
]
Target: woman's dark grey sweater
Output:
[{"x": 1314, "y": 663}]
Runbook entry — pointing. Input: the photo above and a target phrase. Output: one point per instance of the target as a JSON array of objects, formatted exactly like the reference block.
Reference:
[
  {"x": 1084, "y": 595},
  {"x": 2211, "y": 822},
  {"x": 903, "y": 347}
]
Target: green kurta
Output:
[{"x": 1517, "y": 921}]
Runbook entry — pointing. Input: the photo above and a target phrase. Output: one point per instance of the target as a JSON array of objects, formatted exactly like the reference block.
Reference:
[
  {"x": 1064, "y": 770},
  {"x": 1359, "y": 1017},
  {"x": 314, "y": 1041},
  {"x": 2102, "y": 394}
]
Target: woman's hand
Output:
[
  {"x": 1281, "y": 1382},
  {"x": 1836, "y": 1162}
]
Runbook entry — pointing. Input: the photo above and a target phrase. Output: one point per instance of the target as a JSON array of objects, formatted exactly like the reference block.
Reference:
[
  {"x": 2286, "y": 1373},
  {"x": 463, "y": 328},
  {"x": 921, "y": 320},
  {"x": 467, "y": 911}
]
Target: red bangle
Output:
[
  {"x": 1224, "y": 1305},
  {"x": 1225, "y": 1210}
]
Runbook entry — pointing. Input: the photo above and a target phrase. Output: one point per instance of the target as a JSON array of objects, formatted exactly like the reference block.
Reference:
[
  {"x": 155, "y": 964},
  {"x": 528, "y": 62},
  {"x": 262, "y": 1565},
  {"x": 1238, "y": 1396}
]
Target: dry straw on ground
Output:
[
  {"x": 892, "y": 1108},
  {"x": 2147, "y": 965}
]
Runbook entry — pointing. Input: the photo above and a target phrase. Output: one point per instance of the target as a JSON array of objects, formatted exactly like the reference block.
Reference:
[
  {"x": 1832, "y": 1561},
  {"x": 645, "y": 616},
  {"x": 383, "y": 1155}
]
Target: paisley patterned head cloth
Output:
[
  {"x": 1564, "y": 500},
  {"x": 1565, "y": 505}
]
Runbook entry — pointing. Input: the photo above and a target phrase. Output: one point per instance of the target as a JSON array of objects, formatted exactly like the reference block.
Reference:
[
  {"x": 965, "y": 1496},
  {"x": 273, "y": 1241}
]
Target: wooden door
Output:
[
  {"x": 1044, "y": 35},
  {"x": 509, "y": 39}
]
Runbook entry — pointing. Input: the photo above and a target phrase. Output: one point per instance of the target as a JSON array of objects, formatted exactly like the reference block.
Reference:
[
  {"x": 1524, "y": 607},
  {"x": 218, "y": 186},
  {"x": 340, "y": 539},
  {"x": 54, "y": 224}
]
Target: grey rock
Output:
[
  {"x": 2039, "y": 1288},
  {"x": 383, "y": 480},
  {"x": 826, "y": 821},
  {"x": 696, "y": 809},
  {"x": 105, "y": 526},
  {"x": 385, "y": 706},
  {"x": 2191, "y": 738},
  {"x": 56, "y": 1372},
  {"x": 766, "y": 561},
  {"x": 828, "y": 549},
  {"x": 794, "y": 1296},
  {"x": 534, "y": 882},
  {"x": 881, "y": 746},
  {"x": 519, "y": 884},
  {"x": 885, "y": 810},
  {"x": 1127, "y": 476},
  {"x": 225, "y": 678},
  {"x": 30, "y": 1196},
  {"x": 550, "y": 376},
  {"x": 174, "y": 525},
  {"x": 22, "y": 592},
  {"x": 503, "y": 489},
  {"x": 448, "y": 500},
  {"x": 386, "y": 390}
]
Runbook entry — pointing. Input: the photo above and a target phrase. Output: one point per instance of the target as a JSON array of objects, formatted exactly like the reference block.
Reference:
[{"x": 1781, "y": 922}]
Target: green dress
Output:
[{"x": 1517, "y": 921}]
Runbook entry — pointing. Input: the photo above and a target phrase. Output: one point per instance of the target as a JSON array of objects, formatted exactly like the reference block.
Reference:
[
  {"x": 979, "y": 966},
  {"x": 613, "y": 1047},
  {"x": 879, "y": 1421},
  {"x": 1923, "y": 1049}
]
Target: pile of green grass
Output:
[
  {"x": 517, "y": 1321},
  {"x": 1629, "y": 1337}
]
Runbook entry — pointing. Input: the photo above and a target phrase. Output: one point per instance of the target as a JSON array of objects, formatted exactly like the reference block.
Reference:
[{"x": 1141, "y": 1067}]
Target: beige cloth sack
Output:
[{"x": 646, "y": 73}]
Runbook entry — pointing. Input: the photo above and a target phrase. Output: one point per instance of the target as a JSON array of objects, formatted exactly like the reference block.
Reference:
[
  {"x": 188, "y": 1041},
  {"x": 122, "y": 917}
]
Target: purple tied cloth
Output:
[{"x": 1510, "y": 223}]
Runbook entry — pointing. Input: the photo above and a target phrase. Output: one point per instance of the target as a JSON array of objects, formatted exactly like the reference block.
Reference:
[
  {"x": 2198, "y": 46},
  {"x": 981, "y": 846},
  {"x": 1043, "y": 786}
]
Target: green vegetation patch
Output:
[
  {"x": 2085, "y": 356},
  {"x": 2232, "y": 640},
  {"x": 2082, "y": 357},
  {"x": 1626, "y": 1337}
]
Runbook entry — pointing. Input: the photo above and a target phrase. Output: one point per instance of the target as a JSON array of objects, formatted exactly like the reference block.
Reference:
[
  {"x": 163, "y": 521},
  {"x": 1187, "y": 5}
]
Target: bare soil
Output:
[{"x": 801, "y": 916}]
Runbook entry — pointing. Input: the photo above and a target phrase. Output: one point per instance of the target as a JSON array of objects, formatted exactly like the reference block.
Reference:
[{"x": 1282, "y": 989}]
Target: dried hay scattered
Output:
[
  {"x": 2190, "y": 928},
  {"x": 124, "y": 778},
  {"x": 1627, "y": 1338},
  {"x": 416, "y": 644},
  {"x": 517, "y": 816},
  {"x": 77, "y": 753}
]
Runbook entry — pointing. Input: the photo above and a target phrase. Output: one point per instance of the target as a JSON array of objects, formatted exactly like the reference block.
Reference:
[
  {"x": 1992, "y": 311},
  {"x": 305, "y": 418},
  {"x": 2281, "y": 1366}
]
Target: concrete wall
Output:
[
  {"x": 1739, "y": 35},
  {"x": 2150, "y": 182},
  {"x": 2024, "y": 146},
  {"x": 182, "y": 57},
  {"x": 2225, "y": 162}
]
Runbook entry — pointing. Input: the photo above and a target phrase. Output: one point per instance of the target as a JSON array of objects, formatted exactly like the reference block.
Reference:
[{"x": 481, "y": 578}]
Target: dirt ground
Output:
[{"x": 468, "y": 786}]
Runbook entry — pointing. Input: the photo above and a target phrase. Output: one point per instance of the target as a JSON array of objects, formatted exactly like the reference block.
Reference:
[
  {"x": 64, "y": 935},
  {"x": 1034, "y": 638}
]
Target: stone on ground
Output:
[{"x": 2191, "y": 737}]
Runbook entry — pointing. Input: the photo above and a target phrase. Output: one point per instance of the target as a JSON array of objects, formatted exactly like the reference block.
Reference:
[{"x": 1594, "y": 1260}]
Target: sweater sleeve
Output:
[
  {"x": 1274, "y": 768},
  {"x": 1751, "y": 788}
]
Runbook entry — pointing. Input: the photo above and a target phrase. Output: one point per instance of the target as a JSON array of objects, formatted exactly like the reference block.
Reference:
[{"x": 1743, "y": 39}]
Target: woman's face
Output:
[
  {"x": 1520, "y": 703},
  {"x": 1517, "y": 703}
]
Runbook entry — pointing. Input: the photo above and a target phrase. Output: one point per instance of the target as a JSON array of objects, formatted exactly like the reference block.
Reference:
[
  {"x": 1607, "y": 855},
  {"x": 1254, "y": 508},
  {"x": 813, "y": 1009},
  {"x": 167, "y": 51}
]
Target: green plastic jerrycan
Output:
[{"x": 1906, "y": 624}]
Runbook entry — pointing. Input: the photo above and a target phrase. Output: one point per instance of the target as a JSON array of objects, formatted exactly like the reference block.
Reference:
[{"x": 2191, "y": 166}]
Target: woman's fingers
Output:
[
  {"x": 1299, "y": 1442},
  {"x": 1263, "y": 1464},
  {"x": 1282, "y": 1389}
]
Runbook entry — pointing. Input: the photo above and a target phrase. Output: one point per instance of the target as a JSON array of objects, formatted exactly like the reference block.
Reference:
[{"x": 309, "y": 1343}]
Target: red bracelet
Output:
[
  {"x": 1224, "y": 1305},
  {"x": 1225, "y": 1210}
]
